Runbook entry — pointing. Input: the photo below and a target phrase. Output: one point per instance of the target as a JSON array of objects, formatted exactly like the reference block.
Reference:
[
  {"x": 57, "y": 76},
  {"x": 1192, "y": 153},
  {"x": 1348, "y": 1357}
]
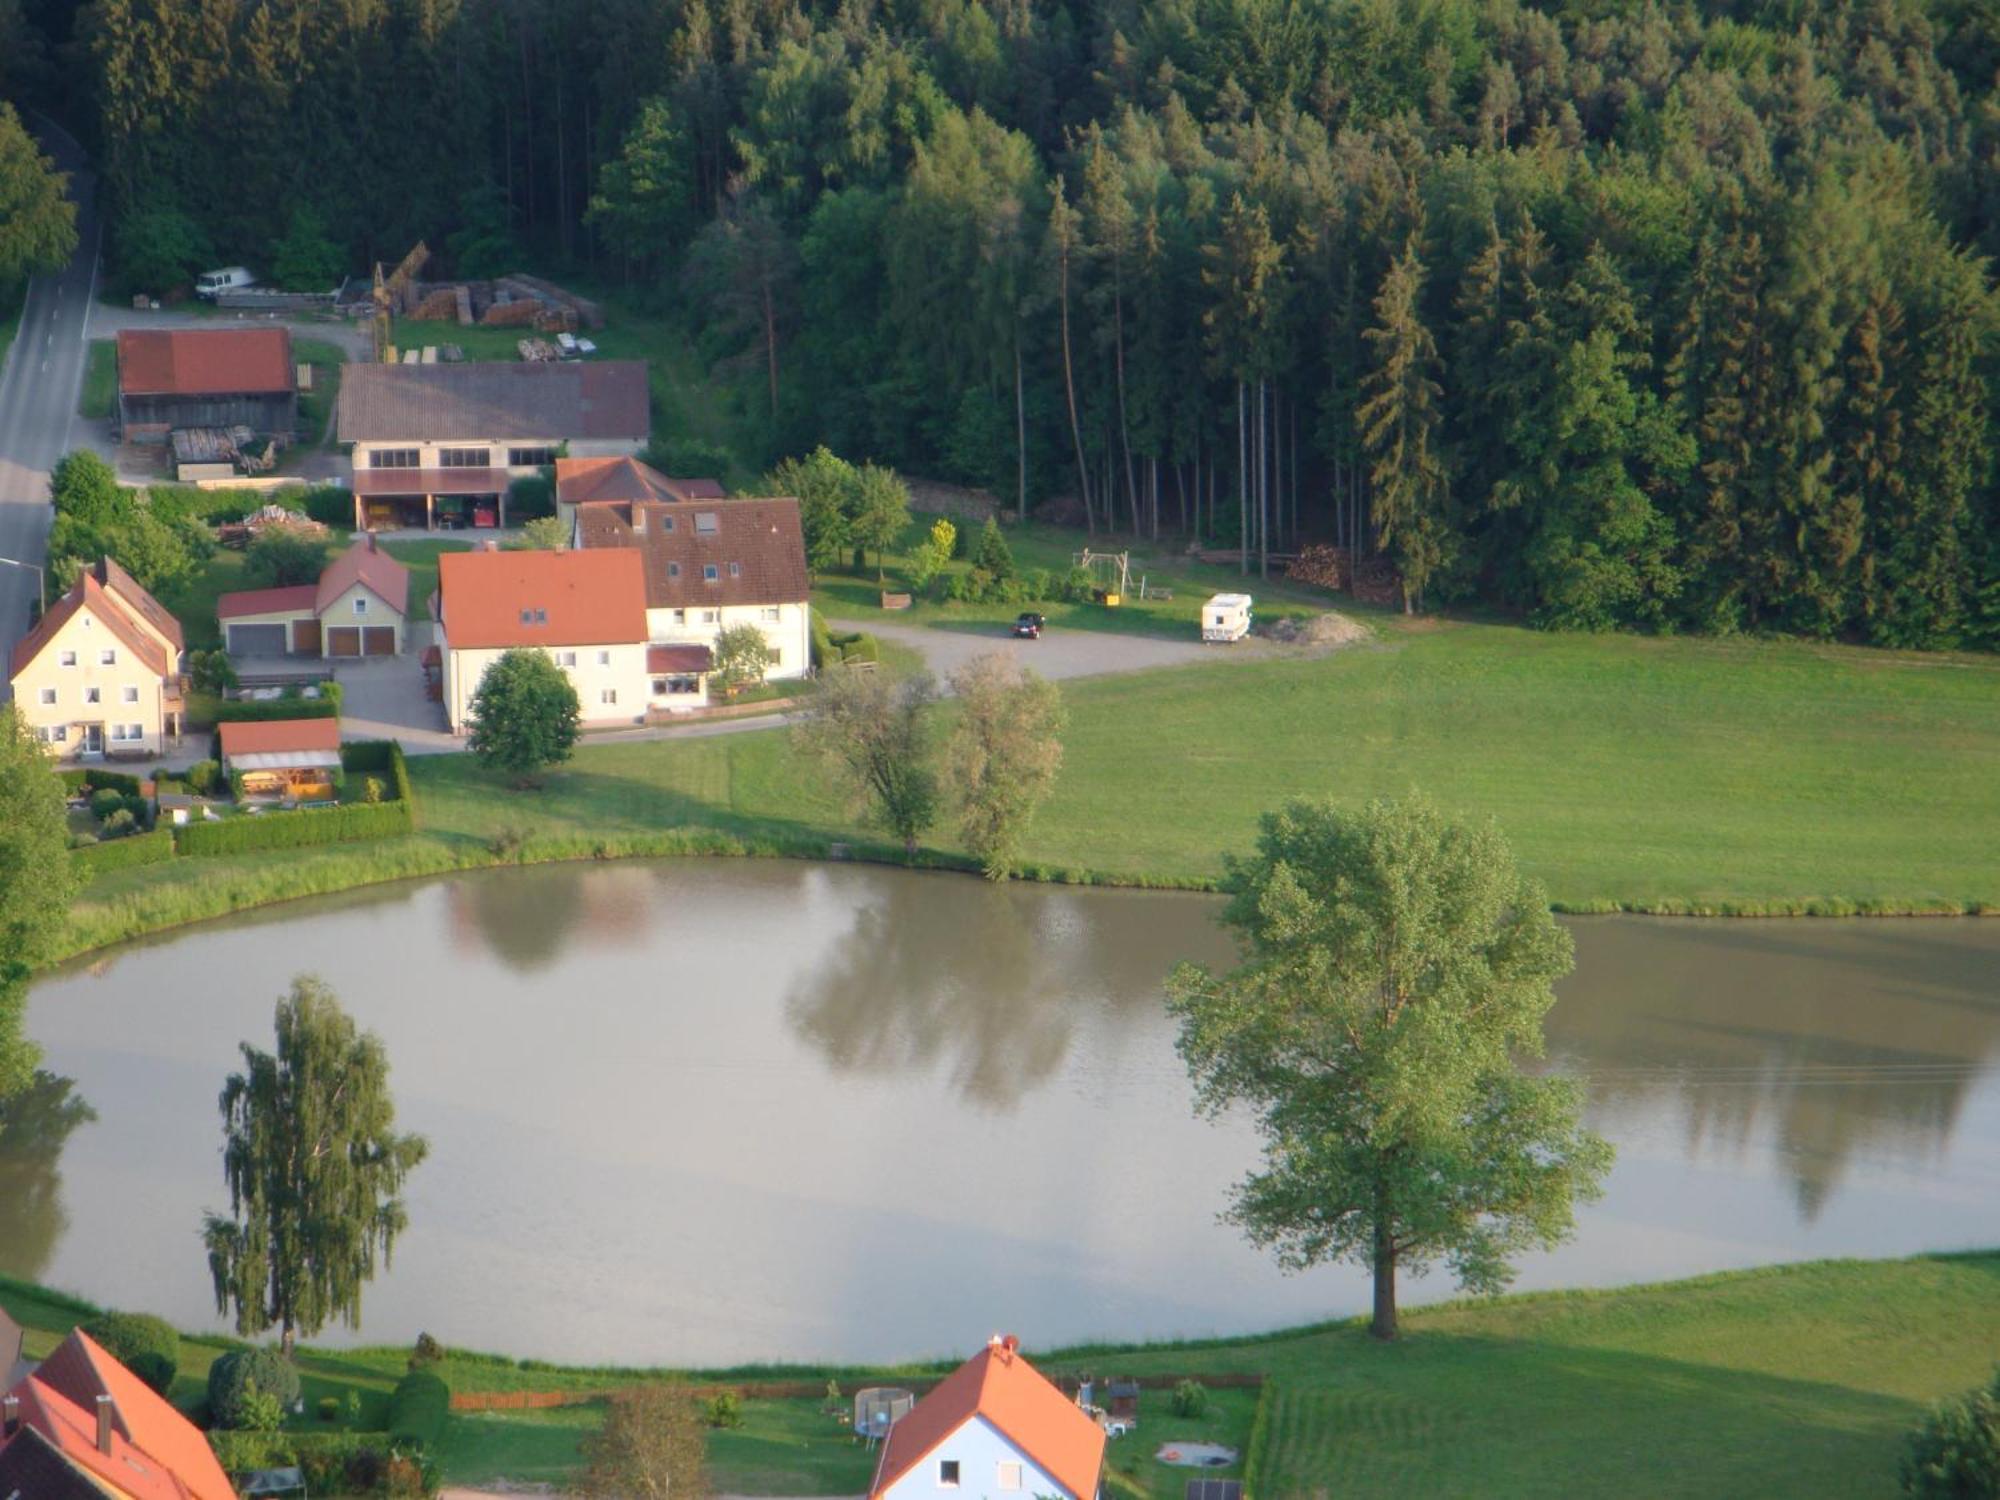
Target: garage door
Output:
[
  {"x": 256, "y": 640},
  {"x": 343, "y": 640},
  {"x": 305, "y": 638},
  {"x": 378, "y": 640}
]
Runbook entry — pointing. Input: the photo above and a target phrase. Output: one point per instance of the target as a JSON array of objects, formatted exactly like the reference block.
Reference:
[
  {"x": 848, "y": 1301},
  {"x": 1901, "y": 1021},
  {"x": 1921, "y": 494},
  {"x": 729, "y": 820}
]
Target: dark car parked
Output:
[{"x": 1028, "y": 625}]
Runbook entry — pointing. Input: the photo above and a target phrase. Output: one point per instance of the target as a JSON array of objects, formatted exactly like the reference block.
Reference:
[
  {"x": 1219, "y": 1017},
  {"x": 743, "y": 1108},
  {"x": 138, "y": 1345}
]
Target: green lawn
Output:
[
  {"x": 316, "y": 406},
  {"x": 100, "y": 381},
  {"x": 421, "y": 558},
  {"x": 1795, "y": 1380}
]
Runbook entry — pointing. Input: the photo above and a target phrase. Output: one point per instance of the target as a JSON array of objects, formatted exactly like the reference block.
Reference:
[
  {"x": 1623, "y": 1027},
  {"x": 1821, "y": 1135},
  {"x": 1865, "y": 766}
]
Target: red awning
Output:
[
  {"x": 431, "y": 481},
  {"x": 678, "y": 659}
]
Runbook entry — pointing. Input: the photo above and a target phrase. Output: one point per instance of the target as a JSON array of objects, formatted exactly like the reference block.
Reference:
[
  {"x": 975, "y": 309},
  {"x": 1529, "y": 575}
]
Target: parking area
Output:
[
  {"x": 384, "y": 698},
  {"x": 1059, "y": 653}
]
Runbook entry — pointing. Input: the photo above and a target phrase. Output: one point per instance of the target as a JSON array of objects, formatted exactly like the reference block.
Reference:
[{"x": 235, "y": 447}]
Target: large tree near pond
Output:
[
  {"x": 37, "y": 880},
  {"x": 525, "y": 714},
  {"x": 1395, "y": 966},
  {"x": 314, "y": 1166}
]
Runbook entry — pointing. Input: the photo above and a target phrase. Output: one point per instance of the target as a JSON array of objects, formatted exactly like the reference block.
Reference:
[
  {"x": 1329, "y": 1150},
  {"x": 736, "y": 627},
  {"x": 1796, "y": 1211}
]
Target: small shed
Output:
[
  {"x": 1226, "y": 617},
  {"x": 295, "y": 759}
]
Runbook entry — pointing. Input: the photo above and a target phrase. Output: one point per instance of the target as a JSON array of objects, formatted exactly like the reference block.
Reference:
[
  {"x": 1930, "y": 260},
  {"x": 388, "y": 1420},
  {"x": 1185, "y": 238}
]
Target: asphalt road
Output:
[{"x": 38, "y": 394}]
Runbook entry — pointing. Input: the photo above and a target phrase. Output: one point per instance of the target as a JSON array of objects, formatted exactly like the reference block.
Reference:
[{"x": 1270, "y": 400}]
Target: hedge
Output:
[
  {"x": 144, "y": 1344},
  {"x": 294, "y": 830},
  {"x": 337, "y": 1463},
  {"x": 382, "y": 758},
  {"x": 99, "y": 779},
  {"x": 124, "y": 854},
  {"x": 260, "y": 710},
  {"x": 233, "y": 1377},
  {"x": 418, "y": 1407}
]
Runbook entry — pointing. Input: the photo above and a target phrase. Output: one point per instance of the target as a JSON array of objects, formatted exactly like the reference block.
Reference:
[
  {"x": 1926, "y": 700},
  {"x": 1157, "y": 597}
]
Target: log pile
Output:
[
  {"x": 439, "y": 306},
  {"x": 1376, "y": 582},
  {"x": 518, "y": 314},
  {"x": 1320, "y": 565}
]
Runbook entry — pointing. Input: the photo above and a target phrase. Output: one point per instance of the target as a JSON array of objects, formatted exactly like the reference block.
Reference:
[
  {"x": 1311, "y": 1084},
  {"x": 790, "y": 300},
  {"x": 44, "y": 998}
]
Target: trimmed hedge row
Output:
[
  {"x": 382, "y": 758},
  {"x": 418, "y": 1408},
  {"x": 127, "y": 853},
  {"x": 98, "y": 779},
  {"x": 262, "y": 710},
  {"x": 349, "y": 822}
]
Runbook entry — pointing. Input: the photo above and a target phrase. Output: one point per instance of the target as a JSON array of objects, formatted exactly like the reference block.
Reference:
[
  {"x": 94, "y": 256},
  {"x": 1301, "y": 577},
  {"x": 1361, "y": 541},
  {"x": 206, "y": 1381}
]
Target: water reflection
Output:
[
  {"x": 33, "y": 1127},
  {"x": 527, "y": 918}
]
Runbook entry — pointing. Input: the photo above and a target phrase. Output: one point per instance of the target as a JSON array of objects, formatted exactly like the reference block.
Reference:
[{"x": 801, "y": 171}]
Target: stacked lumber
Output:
[
  {"x": 519, "y": 314},
  {"x": 554, "y": 319},
  {"x": 439, "y": 306},
  {"x": 1375, "y": 582},
  {"x": 537, "y": 351},
  {"x": 1321, "y": 565}
]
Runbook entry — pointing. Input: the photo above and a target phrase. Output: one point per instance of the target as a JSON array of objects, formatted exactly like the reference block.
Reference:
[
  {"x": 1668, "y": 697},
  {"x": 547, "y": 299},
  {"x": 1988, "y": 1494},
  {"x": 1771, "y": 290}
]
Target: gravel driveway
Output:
[{"x": 1059, "y": 653}]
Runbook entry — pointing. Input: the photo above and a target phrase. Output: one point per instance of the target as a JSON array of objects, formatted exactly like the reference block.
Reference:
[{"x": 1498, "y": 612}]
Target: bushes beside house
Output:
[
  {"x": 333, "y": 1463},
  {"x": 147, "y": 1346},
  {"x": 97, "y": 779},
  {"x": 417, "y": 1409},
  {"x": 325, "y": 704},
  {"x": 241, "y": 1378}
]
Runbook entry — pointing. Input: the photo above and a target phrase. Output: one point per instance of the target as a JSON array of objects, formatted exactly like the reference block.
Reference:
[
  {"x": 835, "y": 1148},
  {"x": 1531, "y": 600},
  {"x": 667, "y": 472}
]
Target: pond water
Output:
[{"x": 707, "y": 1112}]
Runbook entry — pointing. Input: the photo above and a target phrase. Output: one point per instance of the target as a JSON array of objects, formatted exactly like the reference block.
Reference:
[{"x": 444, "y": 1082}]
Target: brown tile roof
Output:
[
  {"x": 205, "y": 361},
  {"x": 438, "y": 403},
  {"x": 366, "y": 563},
  {"x": 586, "y": 481},
  {"x": 572, "y": 599},
  {"x": 756, "y": 548},
  {"x": 431, "y": 481},
  {"x": 679, "y": 659},
  {"x": 278, "y": 736},
  {"x": 126, "y": 587},
  {"x": 103, "y": 605},
  {"x": 299, "y": 598},
  {"x": 82, "y": 1370},
  {"x": 998, "y": 1384}
]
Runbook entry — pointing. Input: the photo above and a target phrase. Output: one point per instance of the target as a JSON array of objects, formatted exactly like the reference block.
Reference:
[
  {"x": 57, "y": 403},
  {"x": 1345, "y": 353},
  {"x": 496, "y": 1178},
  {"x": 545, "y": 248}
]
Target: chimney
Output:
[
  {"x": 105, "y": 1410},
  {"x": 638, "y": 519},
  {"x": 10, "y": 1416},
  {"x": 489, "y": 546},
  {"x": 373, "y": 545}
]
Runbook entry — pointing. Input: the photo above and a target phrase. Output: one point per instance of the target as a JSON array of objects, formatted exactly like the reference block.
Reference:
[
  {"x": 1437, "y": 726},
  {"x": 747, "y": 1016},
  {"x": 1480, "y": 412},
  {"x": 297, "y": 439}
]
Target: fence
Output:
[{"x": 804, "y": 1390}]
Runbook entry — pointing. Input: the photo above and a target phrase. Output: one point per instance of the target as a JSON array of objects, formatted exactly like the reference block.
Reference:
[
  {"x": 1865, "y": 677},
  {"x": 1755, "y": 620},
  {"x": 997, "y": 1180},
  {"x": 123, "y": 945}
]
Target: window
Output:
[
  {"x": 736, "y": 570},
  {"x": 118, "y": 730},
  {"x": 771, "y": 614},
  {"x": 608, "y": 695},
  {"x": 130, "y": 695},
  {"x": 706, "y": 523},
  {"x": 1010, "y": 1476},
  {"x": 464, "y": 458},
  {"x": 777, "y": 656},
  {"x": 666, "y": 523},
  {"x": 659, "y": 687},
  {"x": 710, "y": 573},
  {"x": 396, "y": 458},
  {"x": 711, "y": 616},
  {"x": 67, "y": 659},
  {"x": 528, "y": 616},
  {"x": 48, "y": 697},
  {"x": 684, "y": 684},
  {"x": 530, "y": 458},
  {"x": 947, "y": 1473},
  {"x": 93, "y": 695},
  {"x": 107, "y": 657},
  {"x": 565, "y": 658},
  {"x": 680, "y": 617},
  {"x": 673, "y": 570},
  {"x": 361, "y": 604},
  {"x": 54, "y": 734}
]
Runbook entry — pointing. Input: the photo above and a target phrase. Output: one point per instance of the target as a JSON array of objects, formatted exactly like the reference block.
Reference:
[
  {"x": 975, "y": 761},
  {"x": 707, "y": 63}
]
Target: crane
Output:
[{"x": 390, "y": 292}]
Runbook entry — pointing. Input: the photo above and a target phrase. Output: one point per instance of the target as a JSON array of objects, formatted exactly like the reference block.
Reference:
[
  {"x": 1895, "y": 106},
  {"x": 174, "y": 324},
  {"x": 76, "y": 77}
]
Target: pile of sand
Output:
[{"x": 1327, "y": 630}]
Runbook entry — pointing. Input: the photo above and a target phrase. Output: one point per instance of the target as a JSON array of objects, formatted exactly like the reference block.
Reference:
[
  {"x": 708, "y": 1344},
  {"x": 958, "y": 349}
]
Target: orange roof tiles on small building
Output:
[
  {"x": 587, "y": 481},
  {"x": 1019, "y": 1402},
  {"x": 279, "y": 736},
  {"x": 365, "y": 563},
  {"x": 205, "y": 361},
  {"x": 297, "y": 598},
  {"x": 498, "y": 600}
]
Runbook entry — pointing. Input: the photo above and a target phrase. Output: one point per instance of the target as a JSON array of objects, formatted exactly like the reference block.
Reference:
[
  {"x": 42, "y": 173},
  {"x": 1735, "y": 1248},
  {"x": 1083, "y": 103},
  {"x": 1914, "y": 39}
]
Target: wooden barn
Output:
[{"x": 171, "y": 379}]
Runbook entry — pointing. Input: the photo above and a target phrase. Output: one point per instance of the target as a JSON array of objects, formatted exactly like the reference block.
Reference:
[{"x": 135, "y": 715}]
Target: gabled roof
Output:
[
  {"x": 278, "y": 736},
  {"x": 88, "y": 594},
  {"x": 762, "y": 539},
  {"x": 205, "y": 362},
  {"x": 587, "y": 481},
  {"x": 71, "y": 1429},
  {"x": 365, "y": 563},
  {"x": 149, "y": 609},
  {"x": 528, "y": 401},
  {"x": 295, "y": 599},
  {"x": 569, "y": 598},
  {"x": 34, "y": 1468},
  {"x": 80, "y": 1370},
  {"x": 1024, "y": 1407}
]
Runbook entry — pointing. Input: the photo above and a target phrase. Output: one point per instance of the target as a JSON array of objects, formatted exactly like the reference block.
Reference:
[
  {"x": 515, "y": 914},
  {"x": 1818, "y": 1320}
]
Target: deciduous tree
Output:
[
  {"x": 742, "y": 657},
  {"x": 876, "y": 736},
  {"x": 315, "y": 1166},
  {"x": 37, "y": 219},
  {"x": 1003, "y": 755},
  {"x": 37, "y": 881},
  {"x": 1395, "y": 967},
  {"x": 525, "y": 715},
  {"x": 651, "y": 1447}
]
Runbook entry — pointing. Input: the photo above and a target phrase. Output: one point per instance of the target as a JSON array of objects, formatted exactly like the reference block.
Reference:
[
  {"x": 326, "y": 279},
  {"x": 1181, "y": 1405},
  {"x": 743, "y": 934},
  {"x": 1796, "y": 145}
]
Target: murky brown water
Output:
[{"x": 713, "y": 1111}]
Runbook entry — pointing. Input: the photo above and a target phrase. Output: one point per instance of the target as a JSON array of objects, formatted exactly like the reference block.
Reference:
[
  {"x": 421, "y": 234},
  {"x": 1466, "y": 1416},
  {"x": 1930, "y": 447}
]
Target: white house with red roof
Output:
[
  {"x": 996, "y": 1426},
  {"x": 81, "y": 1423},
  {"x": 359, "y": 607},
  {"x": 100, "y": 674}
]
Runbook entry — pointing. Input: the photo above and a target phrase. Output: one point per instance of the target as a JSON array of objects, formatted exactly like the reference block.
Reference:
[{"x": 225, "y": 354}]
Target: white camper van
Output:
[
  {"x": 1226, "y": 617},
  {"x": 212, "y": 284}
]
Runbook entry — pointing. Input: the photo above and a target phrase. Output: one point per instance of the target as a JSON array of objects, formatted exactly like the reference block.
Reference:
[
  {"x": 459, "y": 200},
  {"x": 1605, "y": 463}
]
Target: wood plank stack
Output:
[{"x": 1321, "y": 565}]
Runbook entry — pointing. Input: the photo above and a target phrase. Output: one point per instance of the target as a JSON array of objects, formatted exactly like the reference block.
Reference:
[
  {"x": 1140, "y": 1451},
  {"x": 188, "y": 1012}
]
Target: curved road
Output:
[{"x": 39, "y": 387}]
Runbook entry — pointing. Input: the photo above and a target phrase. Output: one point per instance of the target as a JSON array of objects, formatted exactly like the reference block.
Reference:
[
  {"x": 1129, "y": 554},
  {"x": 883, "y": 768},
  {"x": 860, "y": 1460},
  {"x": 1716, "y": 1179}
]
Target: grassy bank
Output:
[
  {"x": 99, "y": 392},
  {"x": 1728, "y": 777},
  {"x": 1792, "y": 1380}
]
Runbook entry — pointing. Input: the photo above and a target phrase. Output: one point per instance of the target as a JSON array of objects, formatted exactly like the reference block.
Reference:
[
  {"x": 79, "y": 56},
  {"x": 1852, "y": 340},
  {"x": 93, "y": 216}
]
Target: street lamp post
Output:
[{"x": 41, "y": 581}]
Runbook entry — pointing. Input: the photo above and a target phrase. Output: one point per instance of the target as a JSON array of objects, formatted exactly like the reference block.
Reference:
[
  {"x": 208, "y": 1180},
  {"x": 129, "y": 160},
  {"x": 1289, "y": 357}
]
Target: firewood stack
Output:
[{"x": 1320, "y": 565}]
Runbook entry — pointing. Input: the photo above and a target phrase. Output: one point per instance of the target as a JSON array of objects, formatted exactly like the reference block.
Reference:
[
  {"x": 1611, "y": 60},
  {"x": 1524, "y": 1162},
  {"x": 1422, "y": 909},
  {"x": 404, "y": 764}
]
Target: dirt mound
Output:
[{"x": 1329, "y": 629}]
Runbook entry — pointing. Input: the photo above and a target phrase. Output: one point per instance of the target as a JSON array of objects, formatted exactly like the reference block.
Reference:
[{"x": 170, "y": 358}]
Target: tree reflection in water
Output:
[
  {"x": 1840, "y": 1043},
  {"x": 527, "y": 918},
  {"x": 34, "y": 1125}
]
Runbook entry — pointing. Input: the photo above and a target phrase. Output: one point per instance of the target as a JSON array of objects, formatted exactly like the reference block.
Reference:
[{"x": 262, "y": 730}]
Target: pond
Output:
[{"x": 708, "y": 1112}]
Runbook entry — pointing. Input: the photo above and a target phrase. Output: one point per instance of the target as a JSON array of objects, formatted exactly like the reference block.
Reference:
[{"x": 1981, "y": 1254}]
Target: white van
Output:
[{"x": 212, "y": 284}]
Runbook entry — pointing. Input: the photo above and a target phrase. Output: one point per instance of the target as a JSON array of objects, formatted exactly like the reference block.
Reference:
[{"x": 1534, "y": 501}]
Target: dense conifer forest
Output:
[{"x": 1613, "y": 315}]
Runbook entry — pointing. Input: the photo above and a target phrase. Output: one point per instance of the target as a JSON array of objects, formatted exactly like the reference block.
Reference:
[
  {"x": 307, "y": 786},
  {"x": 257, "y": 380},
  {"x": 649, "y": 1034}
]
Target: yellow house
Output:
[
  {"x": 359, "y": 607},
  {"x": 100, "y": 674}
]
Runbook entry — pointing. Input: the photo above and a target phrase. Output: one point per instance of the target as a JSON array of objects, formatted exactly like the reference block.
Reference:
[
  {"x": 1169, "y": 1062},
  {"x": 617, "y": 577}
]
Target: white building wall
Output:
[
  {"x": 979, "y": 1448},
  {"x": 89, "y": 638},
  {"x": 790, "y": 634},
  {"x": 623, "y": 672},
  {"x": 428, "y": 453}
]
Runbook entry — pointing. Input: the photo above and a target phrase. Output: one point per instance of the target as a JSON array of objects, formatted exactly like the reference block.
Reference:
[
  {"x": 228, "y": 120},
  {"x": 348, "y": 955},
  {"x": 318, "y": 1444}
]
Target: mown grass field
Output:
[
  {"x": 1656, "y": 775},
  {"x": 1793, "y": 1380}
]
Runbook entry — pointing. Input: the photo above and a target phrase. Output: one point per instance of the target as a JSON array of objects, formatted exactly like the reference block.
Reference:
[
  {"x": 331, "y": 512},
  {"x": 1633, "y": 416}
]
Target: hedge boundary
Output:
[
  {"x": 128, "y": 853},
  {"x": 307, "y": 827},
  {"x": 418, "y": 1407}
]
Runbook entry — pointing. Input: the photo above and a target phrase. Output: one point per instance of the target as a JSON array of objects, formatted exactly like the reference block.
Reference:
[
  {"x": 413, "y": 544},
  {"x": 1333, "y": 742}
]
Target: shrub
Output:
[
  {"x": 283, "y": 557},
  {"x": 1077, "y": 586},
  {"x": 530, "y": 498},
  {"x": 104, "y": 802},
  {"x": 96, "y": 859},
  {"x": 118, "y": 825},
  {"x": 993, "y": 554},
  {"x": 354, "y": 1408},
  {"x": 294, "y": 704},
  {"x": 1955, "y": 1450},
  {"x": 330, "y": 505},
  {"x": 303, "y": 829},
  {"x": 1190, "y": 1399},
  {"x": 259, "y": 1410},
  {"x": 328, "y": 1408},
  {"x": 862, "y": 648},
  {"x": 203, "y": 775},
  {"x": 336, "y": 1463},
  {"x": 418, "y": 1408},
  {"x": 823, "y": 652},
  {"x": 371, "y": 790},
  {"x": 426, "y": 1351},
  {"x": 211, "y": 671},
  {"x": 131, "y": 1337},
  {"x": 723, "y": 1410},
  {"x": 742, "y": 657},
  {"x": 233, "y": 1378}
]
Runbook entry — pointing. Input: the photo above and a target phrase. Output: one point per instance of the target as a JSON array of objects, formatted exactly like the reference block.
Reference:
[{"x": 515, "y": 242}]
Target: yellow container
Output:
[{"x": 1112, "y": 601}]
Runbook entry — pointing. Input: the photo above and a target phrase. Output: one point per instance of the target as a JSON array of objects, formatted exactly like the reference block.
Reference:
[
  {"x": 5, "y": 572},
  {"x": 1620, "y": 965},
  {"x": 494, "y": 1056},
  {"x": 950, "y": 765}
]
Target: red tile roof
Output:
[
  {"x": 88, "y": 593},
  {"x": 571, "y": 599},
  {"x": 365, "y": 563},
  {"x": 33, "y": 1466},
  {"x": 679, "y": 659},
  {"x": 71, "y": 1429},
  {"x": 431, "y": 481},
  {"x": 298, "y": 599},
  {"x": 586, "y": 481},
  {"x": 205, "y": 361},
  {"x": 126, "y": 587},
  {"x": 759, "y": 539},
  {"x": 998, "y": 1384},
  {"x": 278, "y": 736},
  {"x": 81, "y": 1370}
]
